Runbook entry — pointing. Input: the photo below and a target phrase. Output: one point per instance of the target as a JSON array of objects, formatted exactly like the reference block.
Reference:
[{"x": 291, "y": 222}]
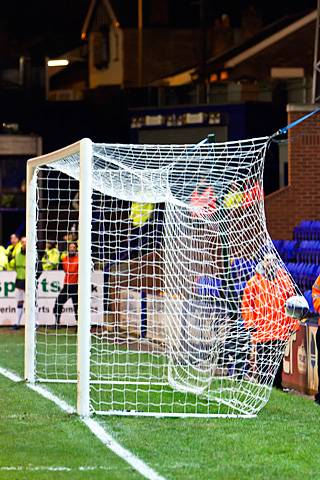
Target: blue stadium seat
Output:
[
  {"x": 288, "y": 250},
  {"x": 278, "y": 245},
  {"x": 309, "y": 251},
  {"x": 307, "y": 230},
  {"x": 208, "y": 286},
  {"x": 316, "y": 230},
  {"x": 304, "y": 230},
  {"x": 242, "y": 270},
  {"x": 306, "y": 275}
]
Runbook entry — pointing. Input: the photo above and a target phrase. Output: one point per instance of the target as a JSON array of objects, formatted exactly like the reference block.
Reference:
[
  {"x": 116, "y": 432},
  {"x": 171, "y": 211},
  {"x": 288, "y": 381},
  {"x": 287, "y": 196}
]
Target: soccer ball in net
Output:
[{"x": 297, "y": 307}]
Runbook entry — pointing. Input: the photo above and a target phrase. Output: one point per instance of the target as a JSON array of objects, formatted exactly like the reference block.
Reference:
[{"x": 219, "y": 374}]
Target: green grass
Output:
[
  {"x": 56, "y": 359},
  {"x": 35, "y": 434},
  {"x": 281, "y": 443}
]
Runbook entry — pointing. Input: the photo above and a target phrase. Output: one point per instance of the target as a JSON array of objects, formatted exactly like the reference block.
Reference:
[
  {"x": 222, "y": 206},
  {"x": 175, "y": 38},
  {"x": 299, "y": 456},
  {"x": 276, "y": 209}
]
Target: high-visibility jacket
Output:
[
  {"x": 50, "y": 259},
  {"x": 3, "y": 259},
  {"x": 20, "y": 265},
  {"x": 263, "y": 307},
  {"x": 140, "y": 213},
  {"x": 70, "y": 266},
  {"x": 316, "y": 296},
  {"x": 11, "y": 252},
  {"x": 204, "y": 202},
  {"x": 233, "y": 199}
]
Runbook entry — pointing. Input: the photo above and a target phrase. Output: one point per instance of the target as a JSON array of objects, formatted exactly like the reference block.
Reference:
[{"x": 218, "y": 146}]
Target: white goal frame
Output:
[
  {"x": 231, "y": 388},
  {"x": 84, "y": 149}
]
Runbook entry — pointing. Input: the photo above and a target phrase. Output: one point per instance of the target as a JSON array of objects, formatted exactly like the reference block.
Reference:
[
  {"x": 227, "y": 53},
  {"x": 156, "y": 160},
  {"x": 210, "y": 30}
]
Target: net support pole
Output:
[
  {"x": 84, "y": 286},
  {"x": 31, "y": 258}
]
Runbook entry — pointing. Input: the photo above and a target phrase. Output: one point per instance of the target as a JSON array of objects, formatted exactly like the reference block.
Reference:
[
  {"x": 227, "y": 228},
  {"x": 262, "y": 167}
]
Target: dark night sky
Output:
[{"x": 56, "y": 24}]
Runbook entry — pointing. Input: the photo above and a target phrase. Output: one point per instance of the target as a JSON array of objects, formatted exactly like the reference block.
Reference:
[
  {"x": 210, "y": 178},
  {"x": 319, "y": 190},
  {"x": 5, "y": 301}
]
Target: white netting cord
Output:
[
  {"x": 57, "y": 218},
  {"x": 191, "y": 302}
]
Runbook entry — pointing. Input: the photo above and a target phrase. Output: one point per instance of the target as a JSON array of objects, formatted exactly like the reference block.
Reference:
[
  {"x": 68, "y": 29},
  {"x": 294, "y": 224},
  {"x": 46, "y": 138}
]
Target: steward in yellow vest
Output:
[
  {"x": 50, "y": 259},
  {"x": 12, "y": 250}
]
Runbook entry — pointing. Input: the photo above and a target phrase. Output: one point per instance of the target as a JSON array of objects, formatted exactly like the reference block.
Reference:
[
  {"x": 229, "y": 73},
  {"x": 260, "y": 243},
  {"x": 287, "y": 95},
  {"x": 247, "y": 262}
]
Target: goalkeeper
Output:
[{"x": 70, "y": 265}]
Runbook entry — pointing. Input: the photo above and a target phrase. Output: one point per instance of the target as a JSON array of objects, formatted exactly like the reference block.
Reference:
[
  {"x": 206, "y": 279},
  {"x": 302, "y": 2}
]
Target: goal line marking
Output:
[
  {"x": 43, "y": 468},
  {"x": 105, "y": 437}
]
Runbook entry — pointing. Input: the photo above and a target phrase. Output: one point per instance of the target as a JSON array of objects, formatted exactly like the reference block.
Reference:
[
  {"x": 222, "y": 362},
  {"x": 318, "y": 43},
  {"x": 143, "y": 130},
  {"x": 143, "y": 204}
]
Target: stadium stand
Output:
[
  {"x": 302, "y": 255},
  {"x": 307, "y": 230}
]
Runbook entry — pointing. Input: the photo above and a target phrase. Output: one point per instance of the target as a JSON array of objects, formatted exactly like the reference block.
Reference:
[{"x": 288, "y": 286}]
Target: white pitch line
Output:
[
  {"x": 44, "y": 468},
  {"x": 105, "y": 437},
  {"x": 122, "y": 452},
  {"x": 10, "y": 375},
  {"x": 52, "y": 397}
]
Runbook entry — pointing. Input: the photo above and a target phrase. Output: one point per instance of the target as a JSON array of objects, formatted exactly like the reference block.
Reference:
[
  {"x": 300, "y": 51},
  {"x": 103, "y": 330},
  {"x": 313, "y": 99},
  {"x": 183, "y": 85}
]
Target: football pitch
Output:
[{"x": 39, "y": 441}]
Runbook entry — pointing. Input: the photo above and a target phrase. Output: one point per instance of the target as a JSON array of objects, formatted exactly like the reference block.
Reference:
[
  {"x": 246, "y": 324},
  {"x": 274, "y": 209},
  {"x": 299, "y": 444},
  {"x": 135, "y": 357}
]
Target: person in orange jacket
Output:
[
  {"x": 70, "y": 265},
  {"x": 316, "y": 304},
  {"x": 264, "y": 315}
]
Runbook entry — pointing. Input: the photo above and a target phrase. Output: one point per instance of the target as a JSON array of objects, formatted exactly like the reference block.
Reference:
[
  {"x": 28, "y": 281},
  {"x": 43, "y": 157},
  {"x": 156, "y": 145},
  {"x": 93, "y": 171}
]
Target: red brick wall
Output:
[{"x": 301, "y": 199}]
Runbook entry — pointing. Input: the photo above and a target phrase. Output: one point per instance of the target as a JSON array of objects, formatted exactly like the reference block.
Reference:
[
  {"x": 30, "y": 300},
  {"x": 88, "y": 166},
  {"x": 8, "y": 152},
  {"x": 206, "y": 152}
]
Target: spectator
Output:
[
  {"x": 20, "y": 286},
  {"x": 50, "y": 259},
  {"x": 12, "y": 250},
  {"x": 70, "y": 265},
  {"x": 263, "y": 312},
  {"x": 69, "y": 237},
  {"x": 316, "y": 304}
]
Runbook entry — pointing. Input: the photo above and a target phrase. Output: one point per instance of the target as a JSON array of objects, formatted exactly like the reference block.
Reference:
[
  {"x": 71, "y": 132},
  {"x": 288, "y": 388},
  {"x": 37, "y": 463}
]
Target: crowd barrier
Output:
[{"x": 300, "y": 370}]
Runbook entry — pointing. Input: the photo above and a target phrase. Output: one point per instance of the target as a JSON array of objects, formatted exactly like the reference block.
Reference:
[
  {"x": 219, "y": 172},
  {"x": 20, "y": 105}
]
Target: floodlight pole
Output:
[
  {"x": 203, "y": 53},
  {"x": 140, "y": 41}
]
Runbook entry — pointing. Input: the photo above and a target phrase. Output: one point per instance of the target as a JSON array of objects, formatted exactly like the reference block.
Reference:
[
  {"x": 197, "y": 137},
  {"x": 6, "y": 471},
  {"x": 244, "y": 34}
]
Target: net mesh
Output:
[{"x": 187, "y": 291}]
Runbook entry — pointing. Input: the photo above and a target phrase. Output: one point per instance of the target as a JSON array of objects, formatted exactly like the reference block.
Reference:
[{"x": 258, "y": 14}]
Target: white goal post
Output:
[
  {"x": 84, "y": 150},
  {"x": 151, "y": 280}
]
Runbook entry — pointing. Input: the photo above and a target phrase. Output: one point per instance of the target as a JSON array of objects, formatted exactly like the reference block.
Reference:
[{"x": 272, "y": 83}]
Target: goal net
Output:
[{"x": 158, "y": 288}]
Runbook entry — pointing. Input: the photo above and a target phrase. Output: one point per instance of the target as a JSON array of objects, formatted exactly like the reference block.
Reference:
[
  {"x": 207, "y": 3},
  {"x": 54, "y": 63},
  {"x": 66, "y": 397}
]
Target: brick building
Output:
[{"x": 300, "y": 199}]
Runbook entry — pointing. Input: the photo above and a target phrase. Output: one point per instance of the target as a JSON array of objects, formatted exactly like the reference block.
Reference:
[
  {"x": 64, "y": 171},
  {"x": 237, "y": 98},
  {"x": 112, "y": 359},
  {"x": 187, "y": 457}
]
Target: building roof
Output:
[
  {"x": 92, "y": 10},
  {"x": 266, "y": 38},
  {"x": 122, "y": 13}
]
